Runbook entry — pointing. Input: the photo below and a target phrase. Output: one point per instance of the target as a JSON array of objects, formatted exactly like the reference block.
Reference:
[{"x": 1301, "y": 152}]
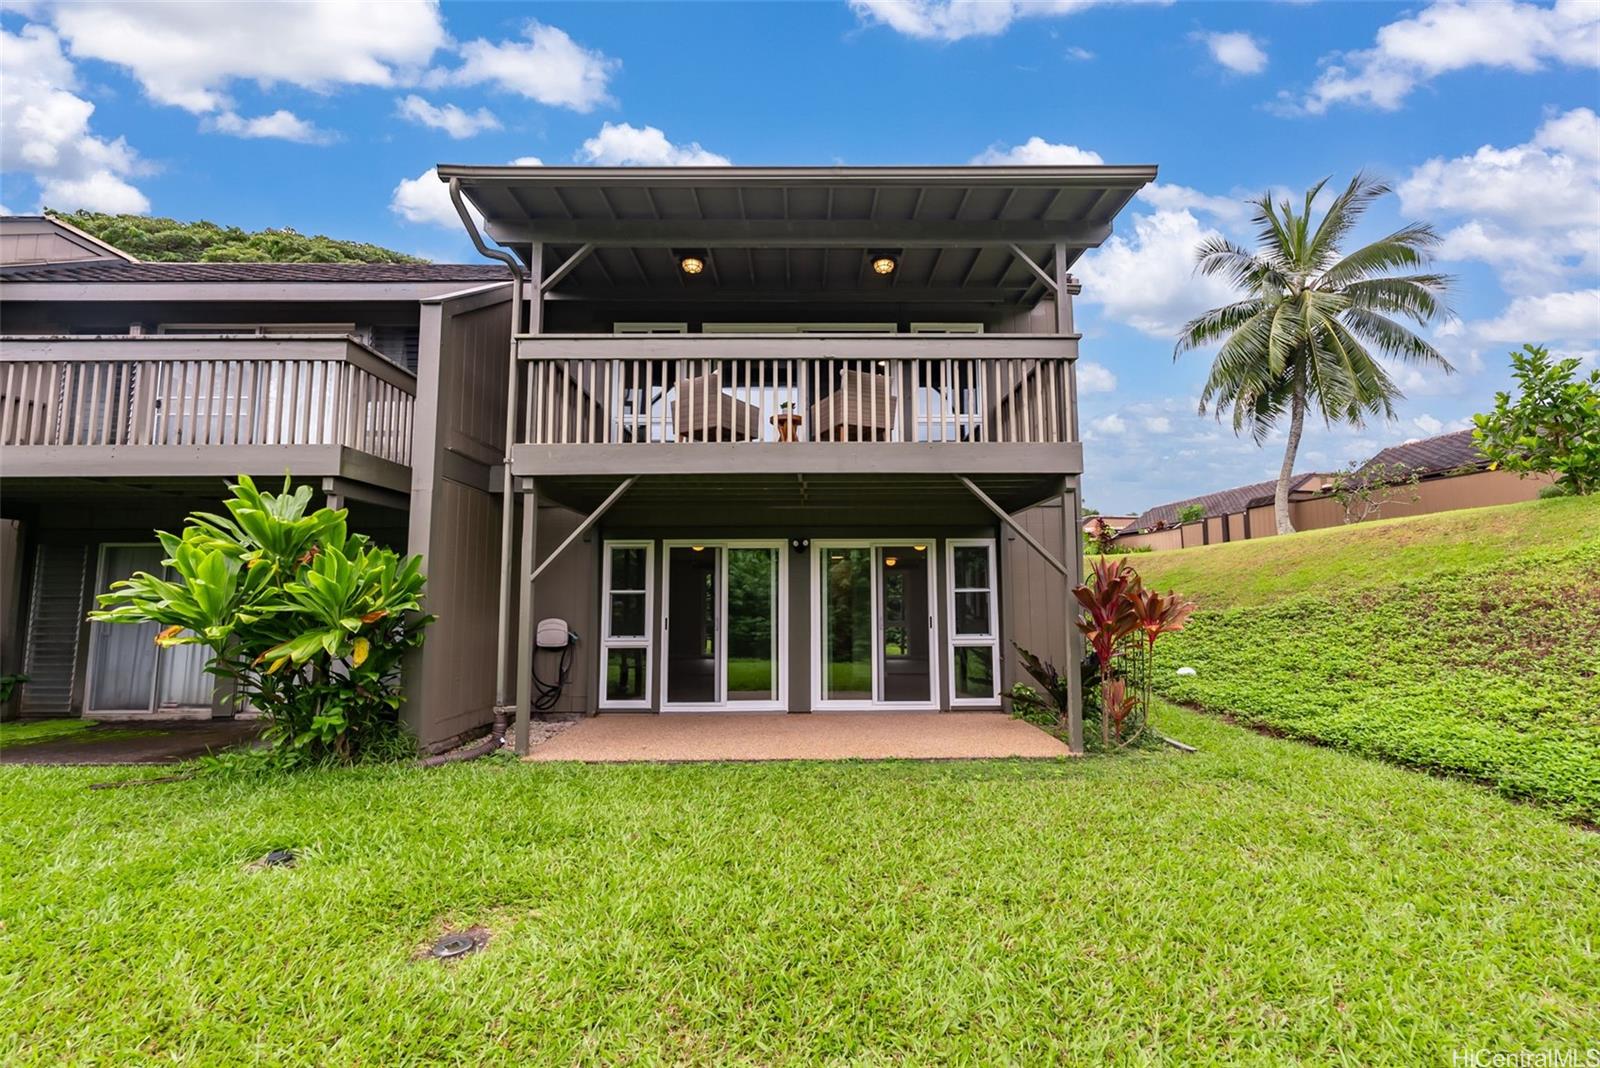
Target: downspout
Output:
[{"x": 507, "y": 497}]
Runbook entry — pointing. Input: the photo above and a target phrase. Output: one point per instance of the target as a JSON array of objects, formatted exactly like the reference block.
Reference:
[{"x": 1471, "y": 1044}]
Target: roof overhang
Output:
[
  {"x": 212, "y": 292},
  {"x": 788, "y": 229}
]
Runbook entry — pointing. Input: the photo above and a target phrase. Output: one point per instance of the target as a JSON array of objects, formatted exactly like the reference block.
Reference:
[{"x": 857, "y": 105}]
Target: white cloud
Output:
[
  {"x": 44, "y": 131},
  {"x": 1036, "y": 151},
  {"x": 453, "y": 120},
  {"x": 1168, "y": 197},
  {"x": 188, "y": 55},
  {"x": 281, "y": 124},
  {"x": 1427, "y": 424},
  {"x": 1448, "y": 36},
  {"x": 953, "y": 20},
  {"x": 1158, "y": 424},
  {"x": 1148, "y": 280},
  {"x": 1080, "y": 54},
  {"x": 425, "y": 199},
  {"x": 1551, "y": 317},
  {"x": 622, "y": 145},
  {"x": 1237, "y": 51},
  {"x": 548, "y": 66},
  {"x": 1095, "y": 378},
  {"x": 1534, "y": 207},
  {"x": 1109, "y": 424}
]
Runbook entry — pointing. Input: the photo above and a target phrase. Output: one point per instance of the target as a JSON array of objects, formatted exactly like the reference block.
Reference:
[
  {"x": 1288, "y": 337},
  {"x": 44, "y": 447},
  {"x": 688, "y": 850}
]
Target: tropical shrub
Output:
[
  {"x": 306, "y": 620},
  {"x": 1363, "y": 489},
  {"x": 1553, "y": 425},
  {"x": 1191, "y": 513},
  {"x": 1121, "y": 621}
]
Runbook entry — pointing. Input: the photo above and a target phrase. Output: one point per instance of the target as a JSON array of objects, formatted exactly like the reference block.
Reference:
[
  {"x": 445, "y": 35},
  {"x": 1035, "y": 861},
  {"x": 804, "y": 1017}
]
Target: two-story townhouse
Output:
[
  {"x": 748, "y": 440},
  {"x": 131, "y": 392}
]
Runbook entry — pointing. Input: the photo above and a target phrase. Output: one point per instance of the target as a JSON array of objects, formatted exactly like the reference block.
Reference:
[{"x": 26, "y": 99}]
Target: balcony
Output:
[
  {"x": 204, "y": 405},
  {"x": 788, "y": 420}
]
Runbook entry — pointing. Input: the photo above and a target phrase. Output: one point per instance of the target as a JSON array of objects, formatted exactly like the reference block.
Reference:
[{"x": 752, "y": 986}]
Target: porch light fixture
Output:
[
  {"x": 920, "y": 548},
  {"x": 884, "y": 262},
  {"x": 691, "y": 261},
  {"x": 890, "y": 561},
  {"x": 698, "y": 548}
]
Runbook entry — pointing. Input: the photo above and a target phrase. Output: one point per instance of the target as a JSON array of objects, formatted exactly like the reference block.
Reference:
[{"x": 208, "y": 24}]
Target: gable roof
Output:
[
  {"x": 1435, "y": 455},
  {"x": 47, "y": 239}
]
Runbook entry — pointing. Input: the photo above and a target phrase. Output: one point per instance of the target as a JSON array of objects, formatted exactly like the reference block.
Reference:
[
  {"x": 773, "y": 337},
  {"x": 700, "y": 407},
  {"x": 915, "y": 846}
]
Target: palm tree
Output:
[{"x": 1304, "y": 333}]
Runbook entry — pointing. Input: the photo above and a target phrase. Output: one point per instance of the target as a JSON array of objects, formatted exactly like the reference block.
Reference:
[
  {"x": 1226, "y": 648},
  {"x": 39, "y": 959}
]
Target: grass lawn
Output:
[
  {"x": 1261, "y": 900},
  {"x": 1464, "y": 642},
  {"x": 25, "y": 732}
]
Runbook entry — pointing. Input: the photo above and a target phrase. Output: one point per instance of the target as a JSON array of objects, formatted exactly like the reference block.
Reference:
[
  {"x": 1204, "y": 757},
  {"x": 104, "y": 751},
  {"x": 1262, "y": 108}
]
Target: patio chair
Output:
[
  {"x": 860, "y": 408},
  {"x": 702, "y": 412}
]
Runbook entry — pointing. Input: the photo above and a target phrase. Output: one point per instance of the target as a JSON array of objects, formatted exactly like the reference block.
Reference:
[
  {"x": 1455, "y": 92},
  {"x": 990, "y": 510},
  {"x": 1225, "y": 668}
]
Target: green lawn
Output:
[
  {"x": 25, "y": 732},
  {"x": 1261, "y": 901},
  {"x": 1463, "y": 642}
]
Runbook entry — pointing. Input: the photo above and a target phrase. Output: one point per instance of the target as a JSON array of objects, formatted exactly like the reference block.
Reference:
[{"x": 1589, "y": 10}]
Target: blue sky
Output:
[{"x": 328, "y": 117}]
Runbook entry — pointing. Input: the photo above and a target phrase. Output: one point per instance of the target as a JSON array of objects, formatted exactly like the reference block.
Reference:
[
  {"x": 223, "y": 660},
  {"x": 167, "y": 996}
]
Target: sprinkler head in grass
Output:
[
  {"x": 278, "y": 858},
  {"x": 456, "y": 944},
  {"x": 1187, "y": 671}
]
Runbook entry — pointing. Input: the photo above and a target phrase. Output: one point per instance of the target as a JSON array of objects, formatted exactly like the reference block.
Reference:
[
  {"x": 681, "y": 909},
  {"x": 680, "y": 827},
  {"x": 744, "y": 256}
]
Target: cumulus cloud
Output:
[
  {"x": 1095, "y": 378},
  {"x": 1237, "y": 51},
  {"x": 1551, "y": 317},
  {"x": 281, "y": 124},
  {"x": 45, "y": 132},
  {"x": 453, "y": 120},
  {"x": 1533, "y": 209},
  {"x": 622, "y": 145},
  {"x": 1147, "y": 280},
  {"x": 1167, "y": 197},
  {"x": 1449, "y": 36},
  {"x": 546, "y": 65},
  {"x": 1036, "y": 151},
  {"x": 426, "y": 200},
  {"x": 189, "y": 55},
  {"x": 954, "y": 20}
]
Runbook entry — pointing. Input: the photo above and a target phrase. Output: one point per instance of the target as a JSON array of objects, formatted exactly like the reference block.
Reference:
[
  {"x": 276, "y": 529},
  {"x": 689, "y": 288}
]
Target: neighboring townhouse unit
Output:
[
  {"x": 131, "y": 392},
  {"x": 777, "y": 440}
]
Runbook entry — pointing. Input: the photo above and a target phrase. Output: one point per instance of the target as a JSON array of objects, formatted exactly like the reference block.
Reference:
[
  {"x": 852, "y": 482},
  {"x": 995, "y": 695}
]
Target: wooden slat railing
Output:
[
  {"x": 204, "y": 390},
  {"x": 936, "y": 391}
]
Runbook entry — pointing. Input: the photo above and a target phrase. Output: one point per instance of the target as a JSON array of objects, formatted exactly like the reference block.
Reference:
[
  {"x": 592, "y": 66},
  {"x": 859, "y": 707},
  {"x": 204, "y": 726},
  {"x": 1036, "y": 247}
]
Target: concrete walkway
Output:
[{"x": 623, "y": 737}]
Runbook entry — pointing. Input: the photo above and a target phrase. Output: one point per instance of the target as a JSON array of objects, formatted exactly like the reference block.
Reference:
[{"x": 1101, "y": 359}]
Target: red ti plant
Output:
[
  {"x": 1117, "y": 608},
  {"x": 1156, "y": 614},
  {"x": 1108, "y": 617}
]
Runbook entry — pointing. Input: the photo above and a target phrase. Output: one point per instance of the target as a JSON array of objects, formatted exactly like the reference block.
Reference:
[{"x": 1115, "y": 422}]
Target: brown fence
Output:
[{"x": 1480, "y": 489}]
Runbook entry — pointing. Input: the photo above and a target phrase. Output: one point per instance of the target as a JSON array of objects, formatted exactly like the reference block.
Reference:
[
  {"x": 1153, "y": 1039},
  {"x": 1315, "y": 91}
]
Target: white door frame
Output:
[
  {"x": 780, "y": 635},
  {"x": 644, "y": 641},
  {"x": 876, "y": 704},
  {"x": 991, "y": 640}
]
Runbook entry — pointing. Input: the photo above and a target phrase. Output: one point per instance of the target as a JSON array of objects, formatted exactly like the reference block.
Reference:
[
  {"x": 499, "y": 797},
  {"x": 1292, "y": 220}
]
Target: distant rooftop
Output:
[
  {"x": 116, "y": 271},
  {"x": 1435, "y": 455}
]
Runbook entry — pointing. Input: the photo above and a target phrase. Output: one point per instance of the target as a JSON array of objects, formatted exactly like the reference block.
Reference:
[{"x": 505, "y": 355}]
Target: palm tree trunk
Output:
[{"x": 1297, "y": 422}]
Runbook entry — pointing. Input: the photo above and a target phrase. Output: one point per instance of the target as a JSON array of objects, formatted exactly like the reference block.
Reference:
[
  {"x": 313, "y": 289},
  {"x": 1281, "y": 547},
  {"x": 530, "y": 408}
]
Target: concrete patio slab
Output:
[{"x": 621, "y": 737}]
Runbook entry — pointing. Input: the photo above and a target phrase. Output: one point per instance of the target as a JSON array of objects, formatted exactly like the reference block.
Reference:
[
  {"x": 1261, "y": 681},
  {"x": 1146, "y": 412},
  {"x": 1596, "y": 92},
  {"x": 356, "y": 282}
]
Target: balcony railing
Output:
[
  {"x": 198, "y": 390},
  {"x": 605, "y": 390}
]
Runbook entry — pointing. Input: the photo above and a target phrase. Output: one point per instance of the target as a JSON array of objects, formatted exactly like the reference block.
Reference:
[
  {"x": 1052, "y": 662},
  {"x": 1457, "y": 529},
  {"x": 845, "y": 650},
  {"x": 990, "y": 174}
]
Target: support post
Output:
[
  {"x": 1071, "y": 519},
  {"x": 524, "y": 638},
  {"x": 1071, "y": 525}
]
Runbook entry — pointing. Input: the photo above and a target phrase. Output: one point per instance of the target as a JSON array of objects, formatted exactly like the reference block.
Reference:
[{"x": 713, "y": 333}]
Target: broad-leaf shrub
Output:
[{"x": 307, "y": 621}]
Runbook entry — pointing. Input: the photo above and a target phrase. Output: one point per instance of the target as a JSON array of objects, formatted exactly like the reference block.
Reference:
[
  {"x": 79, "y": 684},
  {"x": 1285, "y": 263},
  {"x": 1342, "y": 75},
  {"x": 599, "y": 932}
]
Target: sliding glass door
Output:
[
  {"x": 723, "y": 625},
  {"x": 874, "y": 634},
  {"x": 128, "y": 671}
]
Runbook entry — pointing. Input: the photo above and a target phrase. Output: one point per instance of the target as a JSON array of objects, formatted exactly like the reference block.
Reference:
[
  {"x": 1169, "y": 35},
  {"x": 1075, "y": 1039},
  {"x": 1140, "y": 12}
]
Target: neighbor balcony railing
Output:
[
  {"x": 196, "y": 390},
  {"x": 659, "y": 389}
]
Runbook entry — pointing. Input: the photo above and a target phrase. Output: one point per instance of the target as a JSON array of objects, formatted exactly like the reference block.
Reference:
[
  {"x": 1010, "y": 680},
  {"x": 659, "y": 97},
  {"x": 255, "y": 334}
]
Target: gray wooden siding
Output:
[
  {"x": 1034, "y": 607},
  {"x": 463, "y": 349}
]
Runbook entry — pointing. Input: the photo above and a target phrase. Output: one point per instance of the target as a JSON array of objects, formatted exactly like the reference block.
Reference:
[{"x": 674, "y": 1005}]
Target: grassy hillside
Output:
[
  {"x": 152, "y": 238},
  {"x": 1467, "y": 642}
]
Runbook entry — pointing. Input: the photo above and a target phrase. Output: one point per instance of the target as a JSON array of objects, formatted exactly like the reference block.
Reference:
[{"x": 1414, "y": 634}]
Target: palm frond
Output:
[
  {"x": 1416, "y": 296},
  {"x": 1408, "y": 248},
  {"x": 1216, "y": 323},
  {"x": 1394, "y": 339},
  {"x": 1341, "y": 217}
]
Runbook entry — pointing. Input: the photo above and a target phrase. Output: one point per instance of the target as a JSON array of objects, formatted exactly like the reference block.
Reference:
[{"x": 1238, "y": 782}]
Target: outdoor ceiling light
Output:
[
  {"x": 884, "y": 262},
  {"x": 920, "y": 548},
  {"x": 890, "y": 561},
  {"x": 691, "y": 261}
]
